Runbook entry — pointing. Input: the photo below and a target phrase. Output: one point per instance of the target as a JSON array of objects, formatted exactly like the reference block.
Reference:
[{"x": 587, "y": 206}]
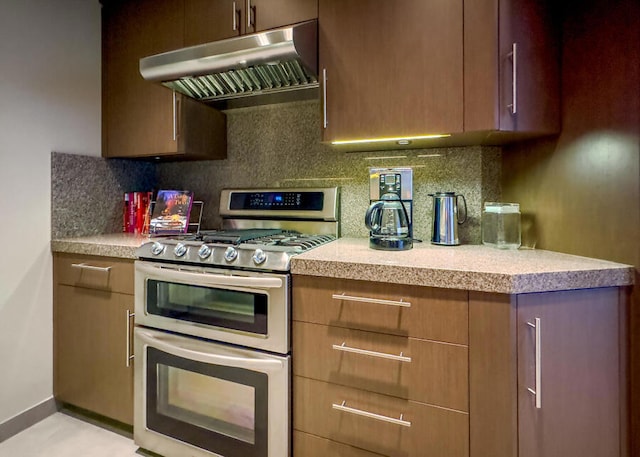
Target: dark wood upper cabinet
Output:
[
  {"x": 271, "y": 14},
  {"x": 393, "y": 68},
  {"x": 484, "y": 71},
  {"x": 511, "y": 64},
  {"x": 140, "y": 118},
  {"x": 212, "y": 20}
]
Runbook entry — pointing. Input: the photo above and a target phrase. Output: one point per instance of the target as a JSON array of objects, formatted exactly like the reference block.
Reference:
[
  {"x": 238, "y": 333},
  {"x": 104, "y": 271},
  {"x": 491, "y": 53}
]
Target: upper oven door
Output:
[{"x": 245, "y": 308}]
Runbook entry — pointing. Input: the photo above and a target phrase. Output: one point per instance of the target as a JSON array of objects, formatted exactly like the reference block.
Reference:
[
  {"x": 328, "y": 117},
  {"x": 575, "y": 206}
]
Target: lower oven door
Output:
[
  {"x": 239, "y": 307},
  {"x": 200, "y": 399}
]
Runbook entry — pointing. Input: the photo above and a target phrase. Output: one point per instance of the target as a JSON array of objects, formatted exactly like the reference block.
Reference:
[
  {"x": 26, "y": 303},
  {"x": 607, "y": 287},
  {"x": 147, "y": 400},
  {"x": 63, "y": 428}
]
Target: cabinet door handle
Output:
[
  {"x": 377, "y": 301},
  {"x": 359, "y": 412},
  {"x": 235, "y": 17},
  {"x": 250, "y": 9},
  {"x": 84, "y": 266},
  {"x": 514, "y": 79},
  {"x": 130, "y": 356},
  {"x": 382, "y": 355},
  {"x": 325, "y": 121},
  {"x": 175, "y": 117},
  {"x": 538, "y": 358}
]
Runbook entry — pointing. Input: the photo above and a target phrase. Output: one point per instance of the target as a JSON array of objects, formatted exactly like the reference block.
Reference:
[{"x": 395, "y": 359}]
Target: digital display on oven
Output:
[{"x": 298, "y": 201}]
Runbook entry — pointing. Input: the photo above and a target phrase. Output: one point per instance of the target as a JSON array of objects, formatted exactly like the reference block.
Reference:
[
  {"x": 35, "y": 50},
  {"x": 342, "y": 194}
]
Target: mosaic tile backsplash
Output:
[{"x": 273, "y": 146}]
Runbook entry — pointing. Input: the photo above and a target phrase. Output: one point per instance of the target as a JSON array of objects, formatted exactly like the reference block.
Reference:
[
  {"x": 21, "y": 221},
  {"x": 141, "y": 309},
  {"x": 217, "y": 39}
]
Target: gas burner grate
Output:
[
  {"x": 235, "y": 236},
  {"x": 292, "y": 239}
]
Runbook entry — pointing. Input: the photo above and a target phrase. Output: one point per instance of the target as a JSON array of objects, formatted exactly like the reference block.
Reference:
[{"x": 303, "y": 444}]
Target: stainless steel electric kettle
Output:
[{"x": 446, "y": 218}]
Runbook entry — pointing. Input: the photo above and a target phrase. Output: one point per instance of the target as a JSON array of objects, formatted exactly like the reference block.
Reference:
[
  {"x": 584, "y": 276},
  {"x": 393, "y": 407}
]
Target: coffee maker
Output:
[{"x": 390, "y": 215}]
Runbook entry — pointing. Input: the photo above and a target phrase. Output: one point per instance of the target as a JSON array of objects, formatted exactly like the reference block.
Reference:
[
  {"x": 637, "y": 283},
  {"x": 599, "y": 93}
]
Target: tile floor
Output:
[{"x": 61, "y": 435}]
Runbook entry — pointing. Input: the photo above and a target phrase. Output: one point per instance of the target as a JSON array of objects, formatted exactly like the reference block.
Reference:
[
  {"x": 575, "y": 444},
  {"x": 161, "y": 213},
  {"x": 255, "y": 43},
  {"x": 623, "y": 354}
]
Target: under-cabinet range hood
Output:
[{"x": 271, "y": 62}]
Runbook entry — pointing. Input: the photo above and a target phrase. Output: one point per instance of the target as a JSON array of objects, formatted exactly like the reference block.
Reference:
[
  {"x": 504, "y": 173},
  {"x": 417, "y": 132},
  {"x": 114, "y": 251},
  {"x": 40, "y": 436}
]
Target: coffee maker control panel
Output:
[{"x": 390, "y": 181}]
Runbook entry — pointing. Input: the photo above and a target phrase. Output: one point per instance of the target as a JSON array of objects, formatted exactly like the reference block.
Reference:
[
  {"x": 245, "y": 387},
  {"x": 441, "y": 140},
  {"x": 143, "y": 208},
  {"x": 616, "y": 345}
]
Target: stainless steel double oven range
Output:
[{"x": 212, "y": 337}]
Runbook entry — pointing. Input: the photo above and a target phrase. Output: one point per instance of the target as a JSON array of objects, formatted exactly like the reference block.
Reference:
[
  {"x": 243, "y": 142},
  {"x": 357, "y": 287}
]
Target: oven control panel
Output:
[
  {"x": 294, "y": 201},
  {"x": 317, "y": 203}
]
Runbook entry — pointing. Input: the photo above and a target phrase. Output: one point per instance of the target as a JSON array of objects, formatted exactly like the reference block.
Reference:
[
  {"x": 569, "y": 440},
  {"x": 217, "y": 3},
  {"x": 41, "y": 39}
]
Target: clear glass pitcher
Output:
[{"x": 389, "y": 224}]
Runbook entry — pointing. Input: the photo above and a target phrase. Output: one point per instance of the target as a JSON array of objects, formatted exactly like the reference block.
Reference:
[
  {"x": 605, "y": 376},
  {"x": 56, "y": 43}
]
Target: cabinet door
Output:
[
  {"x": 138, "y": 116},
  {"x": 579, "y": 404},
  {"x": 505, "y": 90},
  {"x": 270, "y": 14},
  {"x": 90, "y": 335},
  {"x": 212, "y": 20},
  {"x": 393, "y": 68}
]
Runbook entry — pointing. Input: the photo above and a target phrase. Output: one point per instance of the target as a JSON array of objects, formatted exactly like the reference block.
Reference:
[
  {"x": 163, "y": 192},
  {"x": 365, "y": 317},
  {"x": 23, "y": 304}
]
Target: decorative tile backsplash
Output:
[
  {"x": 273, "y": 146},
  {"x": 87, "y": 192},
  {"x": 279, "y": 145}
]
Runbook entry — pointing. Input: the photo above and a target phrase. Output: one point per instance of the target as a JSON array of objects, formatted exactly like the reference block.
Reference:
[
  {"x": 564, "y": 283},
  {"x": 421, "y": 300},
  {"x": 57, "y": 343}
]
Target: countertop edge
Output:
[
  {"x": 468, "y": 280},
  {"x": 469, "y": 267},
  {"x": 119, "y": 245}
]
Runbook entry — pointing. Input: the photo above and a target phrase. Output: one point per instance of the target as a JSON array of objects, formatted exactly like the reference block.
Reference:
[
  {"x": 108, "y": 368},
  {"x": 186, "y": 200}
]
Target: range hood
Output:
[{"x": 270, "y": 62}]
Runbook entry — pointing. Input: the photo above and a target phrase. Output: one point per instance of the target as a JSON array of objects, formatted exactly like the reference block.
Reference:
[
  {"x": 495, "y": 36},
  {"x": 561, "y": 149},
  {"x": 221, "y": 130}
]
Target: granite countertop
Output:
[
  {"x": 469, "y": 267},
  {"x": 121, "y": 245}
]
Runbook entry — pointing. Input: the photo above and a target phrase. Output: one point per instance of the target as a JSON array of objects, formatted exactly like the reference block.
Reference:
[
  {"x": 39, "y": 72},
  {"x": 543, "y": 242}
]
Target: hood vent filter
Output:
[{"x": 283, "y": 76}]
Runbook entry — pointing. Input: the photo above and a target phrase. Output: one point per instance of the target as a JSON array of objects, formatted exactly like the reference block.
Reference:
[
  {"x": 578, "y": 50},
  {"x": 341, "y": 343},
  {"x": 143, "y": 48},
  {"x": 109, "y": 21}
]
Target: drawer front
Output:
[
  {"x": 305, "y": 445},
  {"x": 378, "y": 423},
  {"x": 426, "y": 371},
  {"x": 420, "y": 312},
  {"x": 93, "y": 272}
]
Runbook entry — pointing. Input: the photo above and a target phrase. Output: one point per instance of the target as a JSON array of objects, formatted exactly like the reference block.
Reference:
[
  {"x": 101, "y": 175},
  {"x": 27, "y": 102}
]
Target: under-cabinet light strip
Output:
[{"x": 380, "y": 140}]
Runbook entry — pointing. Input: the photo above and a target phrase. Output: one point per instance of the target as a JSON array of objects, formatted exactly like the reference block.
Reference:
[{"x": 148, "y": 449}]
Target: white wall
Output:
[{"x": 49, "y": 101}]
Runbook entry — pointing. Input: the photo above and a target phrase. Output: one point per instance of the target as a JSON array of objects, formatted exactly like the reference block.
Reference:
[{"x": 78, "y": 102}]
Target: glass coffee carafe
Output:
[{"x": 389, "y": 216}]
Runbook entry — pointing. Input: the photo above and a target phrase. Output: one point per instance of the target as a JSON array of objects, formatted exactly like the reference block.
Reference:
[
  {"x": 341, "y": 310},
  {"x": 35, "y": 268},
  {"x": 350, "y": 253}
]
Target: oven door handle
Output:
[
  {"x": 173, "y": 346},
  {"x": 212, "y": 279}
]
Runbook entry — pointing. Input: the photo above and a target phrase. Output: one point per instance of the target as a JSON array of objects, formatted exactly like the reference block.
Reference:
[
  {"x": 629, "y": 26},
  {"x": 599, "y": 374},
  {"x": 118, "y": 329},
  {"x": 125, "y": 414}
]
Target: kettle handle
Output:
[
  {"x": 460, "y": 222},
  {"x": 372, "y": 211}
]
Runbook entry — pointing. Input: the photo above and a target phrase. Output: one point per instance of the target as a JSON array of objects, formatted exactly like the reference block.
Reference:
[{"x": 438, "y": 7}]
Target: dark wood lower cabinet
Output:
[
  {"x": 564, "y": 347},
  {"x": 578, "y": 412},
  {"x": 90, "y": 339},
  {"x": 546, "y": 375}
]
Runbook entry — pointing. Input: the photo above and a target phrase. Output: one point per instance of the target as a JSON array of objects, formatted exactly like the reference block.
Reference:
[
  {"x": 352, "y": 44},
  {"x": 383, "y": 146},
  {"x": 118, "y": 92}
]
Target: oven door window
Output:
[
  {"x": 221, "y": 409},
  {"x": 227, "y": 308}
]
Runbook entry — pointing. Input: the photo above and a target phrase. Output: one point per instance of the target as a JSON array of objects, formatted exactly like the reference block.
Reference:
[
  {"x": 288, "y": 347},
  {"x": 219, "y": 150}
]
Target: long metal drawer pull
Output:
[
  {"x": 381, "y": 355},
  {"x": 377, "y": 301},
  {"x": 360, "y": 412},
  {"x": 130, "y": 356},
  {"x": 538, "y": 356},
  {"x": 84, "y": 266}
]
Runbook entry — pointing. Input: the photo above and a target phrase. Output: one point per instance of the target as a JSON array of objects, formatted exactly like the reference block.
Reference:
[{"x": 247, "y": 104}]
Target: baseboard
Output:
[{"x": 27, "y": 418}]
